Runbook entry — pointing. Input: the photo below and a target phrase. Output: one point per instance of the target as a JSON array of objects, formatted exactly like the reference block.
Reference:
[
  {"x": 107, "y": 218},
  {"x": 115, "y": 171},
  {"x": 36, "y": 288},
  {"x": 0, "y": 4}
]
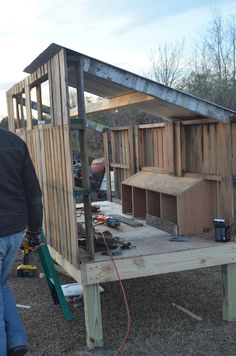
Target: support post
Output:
[
  {"x": 107, "y": 165},
  {"x": 84, "y": 157},
  {"x": 93, "y": 316},
  {"x": 39, "y": 101},
  {"x": 229, "y": 291}
]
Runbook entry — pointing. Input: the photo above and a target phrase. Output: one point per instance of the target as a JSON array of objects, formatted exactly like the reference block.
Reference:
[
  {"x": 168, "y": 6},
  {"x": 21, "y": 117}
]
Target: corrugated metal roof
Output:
[{"x": 108, "y": 81}]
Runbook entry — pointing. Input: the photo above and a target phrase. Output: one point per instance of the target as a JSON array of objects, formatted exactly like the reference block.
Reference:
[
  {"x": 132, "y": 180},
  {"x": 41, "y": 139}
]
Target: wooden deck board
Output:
[{"x": 153, "y": 253}]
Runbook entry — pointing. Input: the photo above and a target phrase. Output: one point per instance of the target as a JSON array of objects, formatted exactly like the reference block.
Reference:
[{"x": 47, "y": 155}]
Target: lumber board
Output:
[
  {"x": 162, "y": 183},
  {"x": 128, "y": 221},
  {"x": 155, "y": 170},
  {"x": 39, "y": 101},
  {"x": 159, "y": 263},
  {"x": 28, "y": 106},
  {"x": 84, "y": 157},
  {"x": 65, "y": 264},
  {"x": 136, "y": 149},
  {"x": 178, "y": 150},
  {"x": 198, "y": 122},
  {"x": 107, "y": 164},
  {"x": 93, "y": 316},
  {"x": 229, "y": 291},
  {"x": 11, "y": 121},
  {"x": 65, "y": 106},
  {"x": 118, "y": 102},
  {"x": 213, "y": 177}
]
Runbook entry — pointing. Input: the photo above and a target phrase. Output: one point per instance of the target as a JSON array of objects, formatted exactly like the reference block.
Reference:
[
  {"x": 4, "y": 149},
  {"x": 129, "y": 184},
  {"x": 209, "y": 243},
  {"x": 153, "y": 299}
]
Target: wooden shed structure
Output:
[{"x": 185, "y": 164}]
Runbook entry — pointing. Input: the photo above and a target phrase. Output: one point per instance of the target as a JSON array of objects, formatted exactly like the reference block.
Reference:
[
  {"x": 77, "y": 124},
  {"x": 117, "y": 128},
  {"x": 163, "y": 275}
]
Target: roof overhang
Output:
[{"x": 108, "y": 81}]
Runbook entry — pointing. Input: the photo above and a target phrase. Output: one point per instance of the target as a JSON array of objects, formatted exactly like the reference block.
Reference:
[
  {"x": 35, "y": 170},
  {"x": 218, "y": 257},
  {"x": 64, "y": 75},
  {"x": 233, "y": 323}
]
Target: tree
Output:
[
  {"x": 166, "y": 64},
  {"x": 213, "y": 72}
]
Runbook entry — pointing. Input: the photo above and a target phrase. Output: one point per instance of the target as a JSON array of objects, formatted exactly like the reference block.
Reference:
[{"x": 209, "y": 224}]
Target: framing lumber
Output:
[
  {"x": 93, "y": 316},
  {"x": 154, "y": 264},
  {"x": 28, "y": 106},
  {"x": 213, "y": 177},
  {"x": 118, "y": 102},
  {"x": 84, "y": 158},
  {"x": 107, "y": 165},
  {"x": 198, "y": 122},
  {"x": 65, "y": 264},
  {"x": 155, "y": 170},
  {"x": 229, "y": 292},
  {"x": 178, "y": 150}
]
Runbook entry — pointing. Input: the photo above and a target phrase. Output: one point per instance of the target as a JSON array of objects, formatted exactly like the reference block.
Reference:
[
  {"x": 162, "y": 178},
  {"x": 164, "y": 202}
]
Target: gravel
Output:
[{"x": 157, "y": 327}]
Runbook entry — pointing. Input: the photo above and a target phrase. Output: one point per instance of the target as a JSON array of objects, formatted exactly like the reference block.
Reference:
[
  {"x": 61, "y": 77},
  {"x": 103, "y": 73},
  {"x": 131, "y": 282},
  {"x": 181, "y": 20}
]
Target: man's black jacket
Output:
[{"x": 20, "y": 194}]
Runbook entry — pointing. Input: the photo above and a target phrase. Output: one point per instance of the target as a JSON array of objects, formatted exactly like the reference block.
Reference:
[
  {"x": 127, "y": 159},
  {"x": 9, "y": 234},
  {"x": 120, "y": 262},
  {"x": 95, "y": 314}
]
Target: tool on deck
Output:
[
  {"x": 112, "y": 222},
  {"x": 180, "y": 239}
]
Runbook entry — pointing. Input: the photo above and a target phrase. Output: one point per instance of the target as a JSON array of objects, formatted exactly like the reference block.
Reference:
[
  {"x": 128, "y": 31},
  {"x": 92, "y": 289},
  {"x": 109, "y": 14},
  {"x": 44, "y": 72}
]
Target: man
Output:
[{"x": 20, "y": 208}]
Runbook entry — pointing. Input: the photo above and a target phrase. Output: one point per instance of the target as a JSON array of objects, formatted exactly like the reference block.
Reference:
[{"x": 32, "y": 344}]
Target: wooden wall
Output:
[
  {"x": 49, "y": 154},
  {"x": 122, "y": 150},
  {"x": 183, "y": 148},
  {"x": 50, "y": 149},
  {"x": 153, "y": 148}
]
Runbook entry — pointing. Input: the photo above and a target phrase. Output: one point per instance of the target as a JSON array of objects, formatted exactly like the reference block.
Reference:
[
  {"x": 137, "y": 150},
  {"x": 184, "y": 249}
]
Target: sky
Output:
[{"x": 119, "y": 32}]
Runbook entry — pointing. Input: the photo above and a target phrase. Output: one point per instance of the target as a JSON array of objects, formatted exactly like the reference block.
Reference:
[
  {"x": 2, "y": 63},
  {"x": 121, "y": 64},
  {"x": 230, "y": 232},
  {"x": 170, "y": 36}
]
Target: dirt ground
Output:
[{"x": 157, "y": 327}]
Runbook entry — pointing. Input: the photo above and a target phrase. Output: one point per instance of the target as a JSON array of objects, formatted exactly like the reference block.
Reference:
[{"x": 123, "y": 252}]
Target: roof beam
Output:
[
  {"x": 115, "y": 103},
  {"x": 118, "y": 102},
  {"x": 169, "y": 95}
]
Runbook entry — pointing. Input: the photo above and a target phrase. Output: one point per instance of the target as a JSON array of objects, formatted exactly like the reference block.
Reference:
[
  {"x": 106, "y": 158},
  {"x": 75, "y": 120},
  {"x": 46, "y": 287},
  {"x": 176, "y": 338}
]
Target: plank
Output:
[
  {"x": 118, "y": 102},
  {"x": 159, "y": 263},
  {"x": 229, "y": 291},
  {"x": 178, "y": 152},
  {"x": 93, "y": 316},
  {"x": 11, "y": 121},
  {"x": 28, "y": 106},
  {"x": 39, "y": 102},
  {"x": 84, "y": 158},
  {"x": 128, "y": 221},
  {"x": 65, "y": 106},
  {"x": 107, "y": 164}
]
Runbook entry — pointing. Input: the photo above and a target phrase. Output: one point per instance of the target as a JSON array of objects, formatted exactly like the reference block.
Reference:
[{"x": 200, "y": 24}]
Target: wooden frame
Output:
[{"x": 196, "y": 139}]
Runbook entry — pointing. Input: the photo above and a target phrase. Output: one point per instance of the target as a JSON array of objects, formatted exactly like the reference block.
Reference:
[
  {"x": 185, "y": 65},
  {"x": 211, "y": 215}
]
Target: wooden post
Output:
[
  {"x": 136, "y": 149},
  {"x": 84, "y": 157},
  {"x": 17, "y": 112},
  {"x": 93, "y": 316},
  {"x": 178, "y": 150},
  {"x": 22, "y": 116},
  {"x": 29, "y": 124},
  {"x": 107, "y": 165},
  {"x": 10, "y": 108},
  {"x": 229, "y": 292},
  {"x": 39, "y": 101}
]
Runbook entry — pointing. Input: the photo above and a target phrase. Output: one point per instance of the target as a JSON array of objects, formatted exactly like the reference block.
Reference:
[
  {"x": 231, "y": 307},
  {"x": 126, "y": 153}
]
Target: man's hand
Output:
[{"x": 33, "y": 238}]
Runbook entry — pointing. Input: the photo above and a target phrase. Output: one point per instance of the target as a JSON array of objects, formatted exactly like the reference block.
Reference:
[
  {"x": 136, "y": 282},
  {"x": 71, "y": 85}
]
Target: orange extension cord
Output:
[{"x": 125, "y": 300}]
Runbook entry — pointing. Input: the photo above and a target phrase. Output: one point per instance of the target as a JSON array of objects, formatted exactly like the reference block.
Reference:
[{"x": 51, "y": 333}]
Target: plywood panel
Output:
[
  {"x": 169, "y": 208},
  {"x": 195, "y": 208},
  {"x": 139, "y": 203}
]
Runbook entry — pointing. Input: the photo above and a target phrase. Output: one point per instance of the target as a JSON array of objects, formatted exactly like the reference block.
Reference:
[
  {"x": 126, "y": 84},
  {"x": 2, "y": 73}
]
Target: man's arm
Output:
[{"x": 33, "y": 195}]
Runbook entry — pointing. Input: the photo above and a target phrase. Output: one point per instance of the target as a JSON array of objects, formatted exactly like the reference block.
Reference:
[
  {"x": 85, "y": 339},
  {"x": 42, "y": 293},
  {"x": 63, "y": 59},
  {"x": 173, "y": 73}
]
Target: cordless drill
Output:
[{"x": 30, "y": 241}]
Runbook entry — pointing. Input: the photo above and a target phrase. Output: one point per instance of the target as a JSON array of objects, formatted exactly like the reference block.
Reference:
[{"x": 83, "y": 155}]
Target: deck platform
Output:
[{"x": 152, "y": 252}]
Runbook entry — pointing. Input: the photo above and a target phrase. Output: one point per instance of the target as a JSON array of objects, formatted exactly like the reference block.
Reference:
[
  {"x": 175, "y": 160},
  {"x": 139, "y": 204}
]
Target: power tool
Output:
[
  {"x": 112, "y": 222},
  {"x": 26, "y": 269}
]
